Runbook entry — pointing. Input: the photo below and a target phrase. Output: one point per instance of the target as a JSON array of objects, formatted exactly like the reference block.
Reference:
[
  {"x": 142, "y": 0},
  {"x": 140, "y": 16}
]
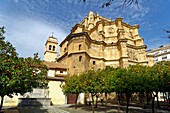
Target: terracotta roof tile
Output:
[{"x": 55, "y": 65}]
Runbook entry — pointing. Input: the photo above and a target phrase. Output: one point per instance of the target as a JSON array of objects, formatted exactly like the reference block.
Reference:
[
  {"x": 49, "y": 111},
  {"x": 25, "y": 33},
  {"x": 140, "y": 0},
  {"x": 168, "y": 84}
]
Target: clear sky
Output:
[{"x": 29, "y": 23}]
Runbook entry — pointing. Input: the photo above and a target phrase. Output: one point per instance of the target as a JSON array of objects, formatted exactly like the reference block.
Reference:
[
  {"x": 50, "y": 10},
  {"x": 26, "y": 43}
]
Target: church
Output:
[{"x": 95, "y": 42}]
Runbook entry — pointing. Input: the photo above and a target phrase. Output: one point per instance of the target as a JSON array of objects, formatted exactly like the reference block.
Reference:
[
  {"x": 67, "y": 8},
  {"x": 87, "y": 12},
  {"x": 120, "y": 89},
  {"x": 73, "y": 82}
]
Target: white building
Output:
[{"x": 160, "y": 54}]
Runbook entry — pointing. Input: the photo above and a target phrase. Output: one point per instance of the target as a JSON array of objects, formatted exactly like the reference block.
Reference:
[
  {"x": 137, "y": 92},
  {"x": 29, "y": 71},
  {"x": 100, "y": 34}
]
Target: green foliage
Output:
[
  {"x": 108, "y": 80},
  {"x": 138, "y": 76},
  {"x": 19, "y": 75},
  {"x": 120, "y": 74},
  {"x": 134, "y": 79},
  {"x": 72, "y": 85},
  {"x": 162, "y": 72}
]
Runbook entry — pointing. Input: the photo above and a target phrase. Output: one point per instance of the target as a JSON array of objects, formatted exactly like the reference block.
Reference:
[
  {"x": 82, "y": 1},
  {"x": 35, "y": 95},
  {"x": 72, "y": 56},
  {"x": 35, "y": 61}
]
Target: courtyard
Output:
[{"x": 70, "y": 108}]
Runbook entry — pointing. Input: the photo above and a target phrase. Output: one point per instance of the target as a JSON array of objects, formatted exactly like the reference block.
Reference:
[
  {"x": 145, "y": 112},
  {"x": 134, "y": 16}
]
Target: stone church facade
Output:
[
  {"x": 99, "y": 42},
  {"x": 95, "y": 42}
]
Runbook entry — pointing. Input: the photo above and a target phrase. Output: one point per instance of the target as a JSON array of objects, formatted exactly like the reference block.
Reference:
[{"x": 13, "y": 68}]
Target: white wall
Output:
[{"x": 51, "y": 73}]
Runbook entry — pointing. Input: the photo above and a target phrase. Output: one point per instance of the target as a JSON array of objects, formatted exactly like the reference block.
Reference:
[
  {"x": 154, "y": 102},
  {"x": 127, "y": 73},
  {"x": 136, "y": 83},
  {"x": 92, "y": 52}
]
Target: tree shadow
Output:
[
  {"x": 110, "y": 109},
  {"x": 100, "y": 108},
  {"x": 31, "y": 105},
  {"x": 9, "y": 110}
]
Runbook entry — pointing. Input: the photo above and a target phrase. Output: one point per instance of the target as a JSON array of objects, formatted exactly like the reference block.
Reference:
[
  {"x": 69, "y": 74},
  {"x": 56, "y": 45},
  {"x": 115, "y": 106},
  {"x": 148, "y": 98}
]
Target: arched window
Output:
[
  {"x": 80, "y": 58},
  {"x": 50, "y": 47},
  {"x": 53, "y": 48},
  {"x": 80, "y": 47}
]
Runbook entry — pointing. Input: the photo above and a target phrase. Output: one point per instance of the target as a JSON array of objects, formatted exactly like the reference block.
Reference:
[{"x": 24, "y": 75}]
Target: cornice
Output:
[
  {"x": 77, "y": 25},
  {"x": 71, "y": 36},
  {"x": 159, "y": 48},
  {"x": 50, "y": 52},
  {"x": 61, "y": 57},
  {"x": 139, "y": 62},
  {"x": 51, "y": 68},
  {"x": 130, "y": 26},
  {"x": 137, "y": 47},
  {"x": 51, "y": 42},
  {"x": 165, "y": 53},
  {"x": 55, "y": 78}
]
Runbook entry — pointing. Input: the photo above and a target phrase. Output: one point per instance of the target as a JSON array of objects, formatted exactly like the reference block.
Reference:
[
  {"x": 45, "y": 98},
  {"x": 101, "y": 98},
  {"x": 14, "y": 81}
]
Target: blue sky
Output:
[{"x": 29, "y": 23}]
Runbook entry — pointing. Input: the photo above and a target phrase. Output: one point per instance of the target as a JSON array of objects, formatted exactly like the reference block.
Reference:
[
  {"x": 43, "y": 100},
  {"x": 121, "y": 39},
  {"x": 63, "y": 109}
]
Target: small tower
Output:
[{"x": 50, "y": 53}]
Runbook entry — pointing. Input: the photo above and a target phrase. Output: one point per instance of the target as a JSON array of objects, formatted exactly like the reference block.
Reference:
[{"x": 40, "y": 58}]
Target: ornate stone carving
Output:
[
  {"x": 132, "y": 55},
  {"x": 111, "y": 30}
]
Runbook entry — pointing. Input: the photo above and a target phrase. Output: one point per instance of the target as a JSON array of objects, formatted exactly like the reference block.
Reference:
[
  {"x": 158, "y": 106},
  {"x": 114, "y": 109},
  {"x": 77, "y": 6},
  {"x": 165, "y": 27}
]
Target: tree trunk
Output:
[
  {"x": 127, "y": 99},
  {"x": 96, "y": 100},
  {"x": 106, "y": 103},
  {"x": 118, "y": 110},
  {"x": 92, "y": 102},
  {"x": 143, "y": 95},
  {"x": 140, "y": 98},
  {"x": 158, "y": 105},
  {"x": 153, "y": 99},
  {"x": 147, "y": 98},
  {"x": 119, "y": 99},
  {"x": 122, "y": 99},
  {"x": 2, "y": 100},
  {"x": 77, "y": 95}
]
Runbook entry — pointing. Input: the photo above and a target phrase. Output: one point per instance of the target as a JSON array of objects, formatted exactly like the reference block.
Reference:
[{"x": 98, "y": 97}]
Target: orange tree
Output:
[
  {"x": 93, "y": 83},
  {"x": 129, "y": 81},
  {"x": 108, "y": 78},
  {"x": 152, "y": 84},
  {"x": 140, "y": 76},
  {"x": 162, "y": 71},
  {"x": 126, "y": 83},
  {"x": 105, "y": 82},
  {"x": 73, "y": 85},
  {"x": 120, "y": 74},
  {"x": 19, "y": 75}
]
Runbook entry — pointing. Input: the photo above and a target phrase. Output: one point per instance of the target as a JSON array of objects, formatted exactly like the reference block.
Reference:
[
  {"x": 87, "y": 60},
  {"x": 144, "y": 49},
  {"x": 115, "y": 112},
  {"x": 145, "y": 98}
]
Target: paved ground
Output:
[
  {"x": 51, "y": 109},
  {"x": 110, "y": 109},
  {"x": 81, "y": 109}
]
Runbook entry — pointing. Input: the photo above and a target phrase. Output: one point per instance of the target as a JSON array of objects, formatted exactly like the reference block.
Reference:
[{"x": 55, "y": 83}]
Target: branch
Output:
[
  {"x": 167, "y": 31},
  {"x": 123, "y": 4}
]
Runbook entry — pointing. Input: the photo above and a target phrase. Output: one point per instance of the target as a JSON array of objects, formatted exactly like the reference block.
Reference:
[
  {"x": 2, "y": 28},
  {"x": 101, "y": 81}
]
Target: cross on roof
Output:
[{"x": 52, "y": 34}]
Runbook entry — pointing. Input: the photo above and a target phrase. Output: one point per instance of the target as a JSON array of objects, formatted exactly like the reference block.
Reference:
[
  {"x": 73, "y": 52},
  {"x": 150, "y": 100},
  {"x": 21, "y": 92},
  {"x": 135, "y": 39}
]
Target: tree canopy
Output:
[
  {"x": 137, "y": 79},
  {"x": 19, "y": 75}
]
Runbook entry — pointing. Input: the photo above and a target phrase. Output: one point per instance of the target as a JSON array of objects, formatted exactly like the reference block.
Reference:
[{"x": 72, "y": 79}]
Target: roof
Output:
[
  {"x": 56, "y": 78},
  {"x": 162, "y": 47},
  {"x": 55, "y": 65},
  {"x": 86, "y": 30}
]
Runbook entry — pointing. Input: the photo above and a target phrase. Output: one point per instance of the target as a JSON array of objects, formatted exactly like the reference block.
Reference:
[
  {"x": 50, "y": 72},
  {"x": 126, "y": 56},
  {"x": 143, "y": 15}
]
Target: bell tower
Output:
[{"x": 50, "y": 53}]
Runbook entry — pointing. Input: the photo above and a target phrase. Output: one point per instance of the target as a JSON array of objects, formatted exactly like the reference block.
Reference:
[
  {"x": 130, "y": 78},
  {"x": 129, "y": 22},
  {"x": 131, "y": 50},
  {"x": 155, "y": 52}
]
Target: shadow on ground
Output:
[
  {"x": 25, "y": 107},
  {"x": 32, "y": 106},
  {"x": 111, "y": 108}
]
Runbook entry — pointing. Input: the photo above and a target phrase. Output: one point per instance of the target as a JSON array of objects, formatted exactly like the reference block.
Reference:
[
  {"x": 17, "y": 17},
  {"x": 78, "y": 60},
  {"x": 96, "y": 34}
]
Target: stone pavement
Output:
[
  {"x": 81, "y": 109},
  {"x": 51, "y": 109},
  {"x": 111, "y": 108}
]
